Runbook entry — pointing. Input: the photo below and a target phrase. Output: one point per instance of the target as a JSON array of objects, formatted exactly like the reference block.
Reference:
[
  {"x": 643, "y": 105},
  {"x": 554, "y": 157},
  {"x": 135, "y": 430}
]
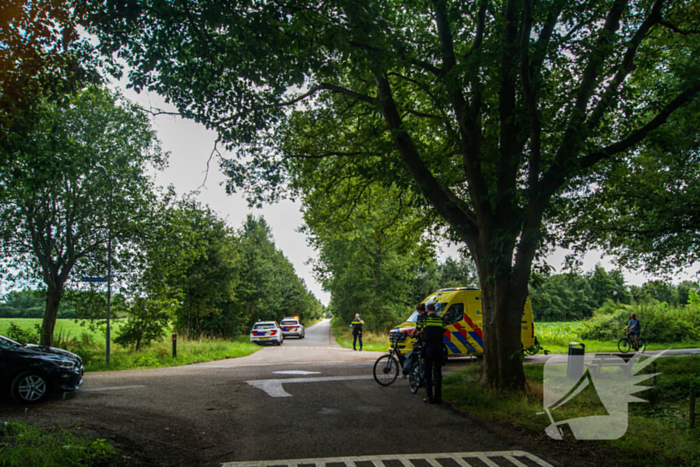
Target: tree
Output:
[
  {"x": 607, "y": 286},
  {"x": 491, "y": 111},
  {"x": 54, "y": 217},
  {"x": 269, "y": 288},
  {"x": 369, "y": 250},
  {"x": 563, "y": 297},
  {"x": 42, "y": 58}
]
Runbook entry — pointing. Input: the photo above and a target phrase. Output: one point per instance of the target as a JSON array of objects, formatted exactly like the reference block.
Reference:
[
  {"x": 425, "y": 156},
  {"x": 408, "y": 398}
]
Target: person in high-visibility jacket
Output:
[
  {"x": 356, "y": 326},
  {"x": 433, "y": 331}
]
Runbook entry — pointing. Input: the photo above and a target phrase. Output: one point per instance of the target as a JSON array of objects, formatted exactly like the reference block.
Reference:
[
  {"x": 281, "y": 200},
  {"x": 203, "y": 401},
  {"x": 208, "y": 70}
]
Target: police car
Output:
[
  {"x": 292, "y": 327},
  {"x": 266, "y": 331}
]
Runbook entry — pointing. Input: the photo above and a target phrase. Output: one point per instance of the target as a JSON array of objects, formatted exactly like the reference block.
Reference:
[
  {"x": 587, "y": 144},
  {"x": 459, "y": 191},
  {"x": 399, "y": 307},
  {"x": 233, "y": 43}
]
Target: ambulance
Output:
[{"x": 460, "y": 309}]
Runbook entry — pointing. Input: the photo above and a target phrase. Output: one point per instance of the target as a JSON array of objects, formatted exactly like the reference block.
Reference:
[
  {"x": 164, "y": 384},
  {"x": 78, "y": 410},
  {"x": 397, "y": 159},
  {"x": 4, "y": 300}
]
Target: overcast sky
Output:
[{"x": 190, "y": 146}]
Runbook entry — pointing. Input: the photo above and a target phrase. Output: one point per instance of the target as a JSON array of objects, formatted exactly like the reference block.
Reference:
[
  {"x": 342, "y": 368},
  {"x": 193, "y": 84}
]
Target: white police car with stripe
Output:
[
  {"x": 266, "y": 331},
  {"x": 292, "y": 327}
]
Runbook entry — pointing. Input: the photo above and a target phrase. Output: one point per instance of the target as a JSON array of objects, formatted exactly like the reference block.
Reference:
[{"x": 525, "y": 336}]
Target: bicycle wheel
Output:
[
  {"x": 624, "y": 345},
  {"x": 642, "y": 345},
  {"x": 414, "y": 380},
  {"x": 386, "y": 370}
]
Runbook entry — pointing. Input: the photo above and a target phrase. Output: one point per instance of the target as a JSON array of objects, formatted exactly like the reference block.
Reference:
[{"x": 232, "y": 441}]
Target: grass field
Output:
[
  {"x": 556, "y": 337},
  {"x": 90, "y": 345},
  {"x": 68, "y": 327}
]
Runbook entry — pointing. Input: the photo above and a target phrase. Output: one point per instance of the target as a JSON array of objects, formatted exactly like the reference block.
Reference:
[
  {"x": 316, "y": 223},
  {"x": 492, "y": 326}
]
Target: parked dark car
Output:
[{"x": 33, "y": 371}]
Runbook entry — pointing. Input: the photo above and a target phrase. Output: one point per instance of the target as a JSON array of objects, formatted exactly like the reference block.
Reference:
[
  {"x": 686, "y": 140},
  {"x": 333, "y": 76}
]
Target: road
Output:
[{"x": 306, "y": 399}]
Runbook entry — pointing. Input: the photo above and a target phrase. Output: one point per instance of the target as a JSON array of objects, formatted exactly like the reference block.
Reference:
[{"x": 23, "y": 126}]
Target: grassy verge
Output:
[
  {"x": 556, "y": 337},
  {"x": 90, "y": 345},
  {"x": 658, "y": 432},
  {"x": 23, "y": 445},
  {"x": 371, "y": 341},
  {"x": 159, "y": 355}
]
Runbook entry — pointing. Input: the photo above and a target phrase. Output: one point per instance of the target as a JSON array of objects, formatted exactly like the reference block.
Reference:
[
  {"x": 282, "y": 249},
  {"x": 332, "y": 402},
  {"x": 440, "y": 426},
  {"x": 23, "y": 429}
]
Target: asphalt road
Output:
[{"x": 307, "y": 398}]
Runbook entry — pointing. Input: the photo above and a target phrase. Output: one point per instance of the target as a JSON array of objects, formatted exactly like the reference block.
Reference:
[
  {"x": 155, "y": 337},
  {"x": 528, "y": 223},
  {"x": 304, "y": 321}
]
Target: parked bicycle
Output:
[
  {"x": 386, "y": 368},
  {"x": 628, "y": 342},
  {"x": 416, "y": 374}
]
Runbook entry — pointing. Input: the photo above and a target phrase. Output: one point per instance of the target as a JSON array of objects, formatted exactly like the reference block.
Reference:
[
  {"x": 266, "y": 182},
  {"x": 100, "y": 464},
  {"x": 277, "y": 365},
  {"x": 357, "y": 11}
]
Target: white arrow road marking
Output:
[
  {"x": 273, "y": 387},
  {"x": 115, "y": 388},
  {"x": 296, "y": 372}
]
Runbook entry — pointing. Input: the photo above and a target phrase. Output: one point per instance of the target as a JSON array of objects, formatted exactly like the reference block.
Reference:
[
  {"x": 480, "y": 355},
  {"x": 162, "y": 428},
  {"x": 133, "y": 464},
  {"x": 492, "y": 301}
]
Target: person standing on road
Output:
[
  {"x": 433, "y": 330},
  {"x": 356, "y": 326}
]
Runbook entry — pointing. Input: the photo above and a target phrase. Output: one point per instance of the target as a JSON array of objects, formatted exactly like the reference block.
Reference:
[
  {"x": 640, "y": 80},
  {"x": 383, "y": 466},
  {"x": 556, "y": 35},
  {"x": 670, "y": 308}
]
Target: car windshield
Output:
[
  {"x": 264, "y": 326},
  {"x": 6, "y": 343},
  {"x": 289, "y": 322}
]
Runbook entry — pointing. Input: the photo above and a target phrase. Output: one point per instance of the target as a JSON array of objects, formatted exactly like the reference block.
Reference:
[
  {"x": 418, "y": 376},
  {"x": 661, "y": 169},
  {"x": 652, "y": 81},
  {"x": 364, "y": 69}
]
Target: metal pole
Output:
[
  {"x": 109, "y": 256},
  {"x": 109, "y": 267}
]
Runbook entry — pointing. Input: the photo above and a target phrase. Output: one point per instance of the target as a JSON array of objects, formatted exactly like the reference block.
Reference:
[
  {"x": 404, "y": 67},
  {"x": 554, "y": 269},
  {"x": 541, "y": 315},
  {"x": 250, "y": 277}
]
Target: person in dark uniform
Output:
[
  {"x": 356, "y": 326},
  {"x": 420, "y": 308},
  {"x": 433, "y": 330}
]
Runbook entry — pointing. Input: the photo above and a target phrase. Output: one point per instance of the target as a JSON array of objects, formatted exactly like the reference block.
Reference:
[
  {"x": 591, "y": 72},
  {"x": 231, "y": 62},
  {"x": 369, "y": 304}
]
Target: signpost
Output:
[{"x": 94, "y": 279}]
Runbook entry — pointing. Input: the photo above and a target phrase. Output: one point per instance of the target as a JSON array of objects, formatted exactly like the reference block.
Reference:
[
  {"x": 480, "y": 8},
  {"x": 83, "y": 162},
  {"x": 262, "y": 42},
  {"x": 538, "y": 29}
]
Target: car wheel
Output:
[{"x": 29, "y": 387}]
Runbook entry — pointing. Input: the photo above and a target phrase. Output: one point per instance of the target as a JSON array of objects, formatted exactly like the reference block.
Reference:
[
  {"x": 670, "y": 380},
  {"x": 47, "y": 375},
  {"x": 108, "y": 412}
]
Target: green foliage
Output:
[
  {"x": 270, "y": 288},
  {"x": 55, "y": 213},
  {"x": 25, "y": 304},
  {"x": 492, "y": 115},
  {"x": 658, "y": 432},
  {"x": 22, "y": 335},
  {"x": 148, "y": 320},
  {"x": 656, "y": 290},
  {"x": 660, "y": 323},
  {"x": 159, "y": 354},
  {"x": 568, "y": 297},
  {"x": 22, "y": 445}
]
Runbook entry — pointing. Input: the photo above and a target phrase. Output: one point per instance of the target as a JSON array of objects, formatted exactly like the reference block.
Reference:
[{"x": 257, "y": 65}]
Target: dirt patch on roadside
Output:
[{"x": 141, "y": 437}]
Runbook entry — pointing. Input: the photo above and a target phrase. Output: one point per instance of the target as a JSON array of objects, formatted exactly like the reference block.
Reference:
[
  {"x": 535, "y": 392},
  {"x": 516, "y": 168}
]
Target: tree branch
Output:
[
  {"x": 591, "y": 159},
  {"x": 675, "y": 28},
  {"x": 627, "y": 64},
  {"x": 450, "y": 208},
  {"x": 530, "y": 99}
]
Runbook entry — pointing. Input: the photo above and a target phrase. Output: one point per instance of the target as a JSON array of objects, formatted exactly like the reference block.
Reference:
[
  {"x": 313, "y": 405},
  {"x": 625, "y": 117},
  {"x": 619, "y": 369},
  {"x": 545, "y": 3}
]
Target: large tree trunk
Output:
[
  {"x": 502, "y": 308},
  {"x": 53, "y": 300}
]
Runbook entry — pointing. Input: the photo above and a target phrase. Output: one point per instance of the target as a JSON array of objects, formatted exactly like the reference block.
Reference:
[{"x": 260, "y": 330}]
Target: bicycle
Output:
[
  {"x": 628, "y": 342},
  {"x": 416, "y": 374},
  {"x": 388, "y": 364}
]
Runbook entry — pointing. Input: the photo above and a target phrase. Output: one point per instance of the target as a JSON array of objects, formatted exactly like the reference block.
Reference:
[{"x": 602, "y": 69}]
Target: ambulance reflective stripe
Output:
[
  {"x": 451, "y": 346},
  {"x": 456, "y": 345},
  {"x": 477, "y": 333},
  {"x": 458, "y": 336}
]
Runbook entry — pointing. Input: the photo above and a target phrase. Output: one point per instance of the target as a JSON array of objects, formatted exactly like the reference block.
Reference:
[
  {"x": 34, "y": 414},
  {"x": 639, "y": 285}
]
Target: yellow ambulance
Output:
[{"x": 460, "y": 309}]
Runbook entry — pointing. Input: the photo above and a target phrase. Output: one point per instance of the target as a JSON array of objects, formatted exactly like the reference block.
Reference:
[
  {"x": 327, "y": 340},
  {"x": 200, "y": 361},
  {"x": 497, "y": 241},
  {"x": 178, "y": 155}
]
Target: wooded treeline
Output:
[{"x": 571, "y": 297}]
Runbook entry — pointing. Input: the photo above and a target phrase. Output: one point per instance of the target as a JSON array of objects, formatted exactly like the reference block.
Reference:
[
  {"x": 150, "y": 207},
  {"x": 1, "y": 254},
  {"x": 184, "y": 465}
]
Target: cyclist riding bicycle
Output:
[{"x": 635, "y": 329}]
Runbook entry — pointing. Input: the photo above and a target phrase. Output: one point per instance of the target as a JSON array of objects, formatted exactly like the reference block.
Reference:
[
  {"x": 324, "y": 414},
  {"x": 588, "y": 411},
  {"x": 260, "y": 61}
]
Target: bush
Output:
[
  {"x": 23, "y": 336},
  {"x": 659, "y": 322}
]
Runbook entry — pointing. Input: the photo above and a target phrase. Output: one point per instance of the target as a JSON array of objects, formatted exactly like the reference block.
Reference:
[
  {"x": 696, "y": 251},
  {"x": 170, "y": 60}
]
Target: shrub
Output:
[
  {"x": 659, "y": 322},
  {"x": 23, "y": 336}
]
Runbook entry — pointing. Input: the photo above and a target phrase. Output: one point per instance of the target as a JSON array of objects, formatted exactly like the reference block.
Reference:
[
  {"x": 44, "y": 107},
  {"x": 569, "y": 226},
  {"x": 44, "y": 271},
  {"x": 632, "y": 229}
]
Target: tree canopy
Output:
[
  {"x": 490, "y": 110},
  {"x": 54, "y": 215}
]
